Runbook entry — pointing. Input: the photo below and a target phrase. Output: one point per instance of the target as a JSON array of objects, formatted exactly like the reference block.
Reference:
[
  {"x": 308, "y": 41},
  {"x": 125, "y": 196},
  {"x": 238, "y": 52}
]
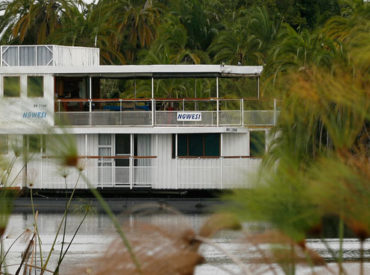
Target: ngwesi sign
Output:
[{"x": 189, "y": 116}]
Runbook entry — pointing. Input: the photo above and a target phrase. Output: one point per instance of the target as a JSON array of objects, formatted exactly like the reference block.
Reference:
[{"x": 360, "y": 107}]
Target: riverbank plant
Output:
[{"x": 317, "y": 164}]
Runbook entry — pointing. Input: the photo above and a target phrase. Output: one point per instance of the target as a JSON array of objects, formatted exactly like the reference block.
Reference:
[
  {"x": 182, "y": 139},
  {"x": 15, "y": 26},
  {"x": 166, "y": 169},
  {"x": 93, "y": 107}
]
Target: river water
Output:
[{"x": 97, "y": 232}]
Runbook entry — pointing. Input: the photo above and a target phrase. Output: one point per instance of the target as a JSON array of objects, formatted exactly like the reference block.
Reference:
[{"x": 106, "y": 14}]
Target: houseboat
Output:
[{"x": 133, "y": 138}]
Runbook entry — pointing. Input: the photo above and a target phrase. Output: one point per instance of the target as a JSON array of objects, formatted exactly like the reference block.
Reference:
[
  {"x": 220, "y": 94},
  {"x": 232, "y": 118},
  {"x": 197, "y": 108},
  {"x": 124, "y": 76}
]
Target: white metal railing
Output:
[
  {"x": 126, "y": 112},
  {"x": 27, "y": 55},
  {"x": 48, "y": 55}
]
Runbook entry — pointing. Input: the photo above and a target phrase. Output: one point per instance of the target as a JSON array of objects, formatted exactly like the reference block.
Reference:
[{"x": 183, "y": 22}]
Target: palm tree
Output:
[
  {"x": 136, "y": 25},
  {"x": 246, "y": 39},
  {"x": 91, "y": 25},
  {"x": 32, "y": 21}
]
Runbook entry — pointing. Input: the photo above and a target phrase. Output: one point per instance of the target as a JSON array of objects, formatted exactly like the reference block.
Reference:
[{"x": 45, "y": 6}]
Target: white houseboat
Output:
[{"x": 124, "y": 141}]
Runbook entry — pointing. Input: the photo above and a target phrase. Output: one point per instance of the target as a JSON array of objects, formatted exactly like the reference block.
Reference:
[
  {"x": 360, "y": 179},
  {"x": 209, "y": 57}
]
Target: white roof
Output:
[{"x": 140, "y": 71}]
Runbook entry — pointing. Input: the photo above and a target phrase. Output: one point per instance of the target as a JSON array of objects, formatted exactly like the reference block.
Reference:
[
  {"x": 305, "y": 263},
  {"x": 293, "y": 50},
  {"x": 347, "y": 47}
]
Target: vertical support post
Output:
[
  {"x": 218, "y": 104},
  {"x": 258, "y": 88},
  {"x": 195, "y": 95},
  {"x": 131, "y": 160},
  {"x": 221, "y": 158},
  {"x": 275, "y": 118},
  {"x": 90, "y": 94},
  {"x": 153, "y": 103},
  {"x": 177, "y": 157},
  {"x": 156, "y": 180},
  {"x": 86, "y": 159},
  {"x": 35, "y": 56},
  {"x": 90, "y": 101}
]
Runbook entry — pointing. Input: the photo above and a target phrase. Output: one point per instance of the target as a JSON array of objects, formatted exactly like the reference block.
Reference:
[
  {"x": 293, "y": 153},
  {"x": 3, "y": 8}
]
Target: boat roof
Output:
[{"x": 140, "y": 71}]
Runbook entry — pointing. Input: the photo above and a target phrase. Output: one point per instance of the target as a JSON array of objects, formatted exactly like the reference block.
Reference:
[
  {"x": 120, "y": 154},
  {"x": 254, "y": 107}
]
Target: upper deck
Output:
[{"x": 48, "y": 85}]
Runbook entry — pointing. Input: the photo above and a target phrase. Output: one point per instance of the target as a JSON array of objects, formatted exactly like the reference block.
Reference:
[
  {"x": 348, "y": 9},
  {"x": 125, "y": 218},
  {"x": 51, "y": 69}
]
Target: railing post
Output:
[
  {"x": 153, "y": 112},
  {"x": 120, "y": 111},
  {"x": 242, "y": 111},
  {"x": 275, "y": 118},
  {"x": 218, "y": 104},
  {"x": 177, "y": 157},
  {"x": 183, "y": 108},
  {"x": 153, "y": 106}
]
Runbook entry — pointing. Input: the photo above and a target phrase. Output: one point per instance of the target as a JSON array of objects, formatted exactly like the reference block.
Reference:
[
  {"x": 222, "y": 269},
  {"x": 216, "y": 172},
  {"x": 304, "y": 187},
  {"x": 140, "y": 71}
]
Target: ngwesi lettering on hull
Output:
[
  {"x": 36, "y": 115},
  {"x": 189, "y": 116}
]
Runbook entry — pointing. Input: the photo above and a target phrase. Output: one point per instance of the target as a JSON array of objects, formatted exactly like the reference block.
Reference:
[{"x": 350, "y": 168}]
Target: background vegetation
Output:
[{"x": 317, "y": 62}]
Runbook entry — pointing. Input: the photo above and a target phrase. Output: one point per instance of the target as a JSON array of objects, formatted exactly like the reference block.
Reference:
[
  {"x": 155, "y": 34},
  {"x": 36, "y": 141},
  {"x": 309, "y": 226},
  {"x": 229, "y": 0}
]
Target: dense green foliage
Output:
[{"x": 191, "y": 31}]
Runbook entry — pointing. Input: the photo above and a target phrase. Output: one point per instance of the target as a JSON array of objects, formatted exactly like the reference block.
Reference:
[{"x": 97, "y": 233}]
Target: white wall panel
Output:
[
  {"x": 235, "y": 144},
  {"x": 75, "y": 56}
]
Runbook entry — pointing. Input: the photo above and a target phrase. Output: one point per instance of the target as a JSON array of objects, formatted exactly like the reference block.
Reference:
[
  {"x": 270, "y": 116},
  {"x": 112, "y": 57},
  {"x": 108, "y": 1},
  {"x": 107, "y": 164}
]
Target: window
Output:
[
  {"x": 34, "y": 143},
  {"x": 105, "y": 175},
  {"x": 3, "y": 144},
  {"x": 257, "y": 143},
  {"x": 196, "y": 145},
  {"x": 105, "y": 145},
  {"x": 12, "y": 87},
  {"x": 35, "y": 86}
]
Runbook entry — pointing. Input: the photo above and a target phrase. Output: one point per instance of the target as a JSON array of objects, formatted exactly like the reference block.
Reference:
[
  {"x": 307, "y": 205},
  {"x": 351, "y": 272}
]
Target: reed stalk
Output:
[
  {"x": 115, "y": 222},
  {"x": 60, "y": 226},
  {"x": 362, "y": 268},
  {"x": 2, "y": 254},
  {"x": 70, "y": 243},
  {"x": 65, "y": 225},
  {"x": 340, "y": 252},
  {"x": 25, "y": 254},
  {"x": 35, "y": 214}
]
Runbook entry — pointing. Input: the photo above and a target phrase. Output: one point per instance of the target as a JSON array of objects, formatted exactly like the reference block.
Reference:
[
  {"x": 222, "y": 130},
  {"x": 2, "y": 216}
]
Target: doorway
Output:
[{"x": 122, "y": 161}]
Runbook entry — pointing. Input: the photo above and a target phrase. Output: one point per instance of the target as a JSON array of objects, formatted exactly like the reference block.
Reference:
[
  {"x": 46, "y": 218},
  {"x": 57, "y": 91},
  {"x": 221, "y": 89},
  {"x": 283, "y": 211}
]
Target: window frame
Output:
[
  {"x": 34, "y": 143},
  {"x": 19, "y": 84},
  {"x": 257, "y": 154},
  {"x": 4, "y": 144},
  {"x": 42, "y": 86},
  {"x": 188, "y": 147}
]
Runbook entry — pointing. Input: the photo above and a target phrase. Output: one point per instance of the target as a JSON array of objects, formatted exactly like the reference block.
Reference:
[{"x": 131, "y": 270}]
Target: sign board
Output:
[
  {"x": 22, "y": 113},
  {"x": 189, "y": 116}
]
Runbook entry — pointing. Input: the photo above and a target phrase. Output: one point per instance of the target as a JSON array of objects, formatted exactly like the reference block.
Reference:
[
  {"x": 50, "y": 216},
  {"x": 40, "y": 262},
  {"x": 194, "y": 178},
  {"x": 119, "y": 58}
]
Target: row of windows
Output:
[
  {"x": 32, "y": 143},
  {"x": 188, "y": 145},
  {"x": 208, "y": 145},
  {"x": 12, "y": 86},
  {"x": 196, "y": 145}
]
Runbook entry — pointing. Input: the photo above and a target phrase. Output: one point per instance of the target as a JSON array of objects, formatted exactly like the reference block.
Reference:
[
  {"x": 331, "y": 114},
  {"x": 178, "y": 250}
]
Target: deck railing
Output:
[{"x": 139, "y": 112}]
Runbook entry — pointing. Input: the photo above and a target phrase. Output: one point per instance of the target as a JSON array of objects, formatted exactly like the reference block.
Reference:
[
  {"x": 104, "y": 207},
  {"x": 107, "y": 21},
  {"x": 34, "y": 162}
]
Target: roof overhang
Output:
[{"x": 141, "y": 71}]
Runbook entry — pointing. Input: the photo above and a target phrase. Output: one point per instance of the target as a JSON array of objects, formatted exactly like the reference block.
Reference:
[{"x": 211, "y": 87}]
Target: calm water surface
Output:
[{"x": 97, "y": 232}]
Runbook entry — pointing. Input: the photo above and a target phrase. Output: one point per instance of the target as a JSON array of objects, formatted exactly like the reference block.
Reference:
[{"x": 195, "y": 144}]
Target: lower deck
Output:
[{"x": 144, "y": 161}]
